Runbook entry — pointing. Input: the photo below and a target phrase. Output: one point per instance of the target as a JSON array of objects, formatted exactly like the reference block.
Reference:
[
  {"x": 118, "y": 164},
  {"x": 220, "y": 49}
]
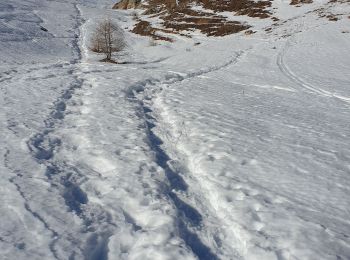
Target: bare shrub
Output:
[{"x": 107, "y": 38}]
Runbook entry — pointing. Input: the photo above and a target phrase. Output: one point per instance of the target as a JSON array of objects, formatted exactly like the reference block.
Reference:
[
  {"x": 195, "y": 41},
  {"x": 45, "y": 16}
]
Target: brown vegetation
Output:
[
  {"x": 209, "y": 24},
  {"x": 180, "y": 18},
  {"x": 127, "y": 4},
  {"x": 240, "y": 7},
  {"x": 339, "y": 1},
  {"x": 144, "y": 28},
  {"x": 297, "y": 2},
  {"x": 249, "y": 32},
  {"x": 325, "y": 11},
  {"x": 332, "y": 17}
]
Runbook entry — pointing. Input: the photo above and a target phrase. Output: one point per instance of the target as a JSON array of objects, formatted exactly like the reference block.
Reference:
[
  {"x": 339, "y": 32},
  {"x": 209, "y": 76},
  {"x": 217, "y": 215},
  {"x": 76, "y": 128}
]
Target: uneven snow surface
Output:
[{"x": 236, "y": 148}]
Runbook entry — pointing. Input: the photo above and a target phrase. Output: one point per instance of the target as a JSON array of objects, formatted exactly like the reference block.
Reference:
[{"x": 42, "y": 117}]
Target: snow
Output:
[{"x": 236, "y": 148}]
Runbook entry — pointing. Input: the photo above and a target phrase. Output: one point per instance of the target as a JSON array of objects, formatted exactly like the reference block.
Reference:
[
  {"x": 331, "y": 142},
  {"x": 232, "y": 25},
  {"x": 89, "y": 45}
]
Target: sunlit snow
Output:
[{"x": 234, "y": 148}]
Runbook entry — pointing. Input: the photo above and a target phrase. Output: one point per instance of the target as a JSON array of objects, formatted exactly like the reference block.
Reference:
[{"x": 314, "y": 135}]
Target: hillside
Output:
[
  {"x": 221, "y": 132},
  {"x": 160, "y": 19}
]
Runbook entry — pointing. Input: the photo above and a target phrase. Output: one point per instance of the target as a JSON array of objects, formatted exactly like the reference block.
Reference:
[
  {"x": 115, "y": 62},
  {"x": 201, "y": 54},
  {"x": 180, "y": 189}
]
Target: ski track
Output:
[{"x": 299, "y": 81}]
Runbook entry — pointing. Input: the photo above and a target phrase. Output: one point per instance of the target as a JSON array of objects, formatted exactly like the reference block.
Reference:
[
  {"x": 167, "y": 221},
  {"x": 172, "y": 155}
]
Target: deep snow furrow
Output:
[
  {"x": 189, "y": 218},
  {"x": 204, "y": 210},
  {"x": 174, "y": 77},
  {"x": 42, "y": 146},
  {"x": 65, "y": 180}
]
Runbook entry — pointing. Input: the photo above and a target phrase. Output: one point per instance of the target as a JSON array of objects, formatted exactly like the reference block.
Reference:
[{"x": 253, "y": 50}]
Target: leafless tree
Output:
[{"x": 108, "y": 38}]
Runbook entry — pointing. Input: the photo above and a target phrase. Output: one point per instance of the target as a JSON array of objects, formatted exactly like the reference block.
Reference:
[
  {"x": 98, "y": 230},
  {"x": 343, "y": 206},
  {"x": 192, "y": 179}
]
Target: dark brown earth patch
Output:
[
  {"x": 179, "y": 18},
  {"x": 299, "y": 2},
  {"x": 144, "y": 28}
]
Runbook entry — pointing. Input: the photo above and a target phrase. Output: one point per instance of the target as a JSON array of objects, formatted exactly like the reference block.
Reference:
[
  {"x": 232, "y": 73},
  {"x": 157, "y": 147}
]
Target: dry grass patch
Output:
[
  {"x": 145, "y": 28},
  {"x": 211, "y": 25},
  {"x": 298, "y": 2},
  {"x": 179, "y": 17}
]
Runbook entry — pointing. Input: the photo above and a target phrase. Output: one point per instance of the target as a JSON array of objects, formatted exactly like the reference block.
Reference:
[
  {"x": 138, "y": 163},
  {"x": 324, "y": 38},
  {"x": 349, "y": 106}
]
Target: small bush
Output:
[{"x": 107, "y": 38}]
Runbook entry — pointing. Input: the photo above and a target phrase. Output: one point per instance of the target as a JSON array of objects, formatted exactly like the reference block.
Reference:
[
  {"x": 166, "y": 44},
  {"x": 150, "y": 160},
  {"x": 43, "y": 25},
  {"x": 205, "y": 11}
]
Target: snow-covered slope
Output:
[{"x": 234, "y": 148}]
